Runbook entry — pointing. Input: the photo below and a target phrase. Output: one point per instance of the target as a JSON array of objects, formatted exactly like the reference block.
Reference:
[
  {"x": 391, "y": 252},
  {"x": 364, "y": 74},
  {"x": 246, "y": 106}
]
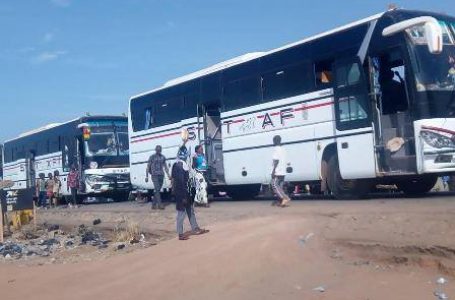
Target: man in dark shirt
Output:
[{"x": 155, "y": 168}]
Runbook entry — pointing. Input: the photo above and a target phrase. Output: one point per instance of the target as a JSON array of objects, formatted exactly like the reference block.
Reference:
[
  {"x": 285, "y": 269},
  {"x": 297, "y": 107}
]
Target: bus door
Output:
[
  {"x": 395, "y": 143},
  {"x": 213, "y": 143},
  {"x": 354, "y": 130}
]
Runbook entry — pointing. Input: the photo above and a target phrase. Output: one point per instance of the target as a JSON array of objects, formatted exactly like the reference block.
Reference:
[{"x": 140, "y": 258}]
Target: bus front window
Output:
[
  {"x": 101, "y": 144},
  {"x": 107, "y": 141},
  {"x": 434, "y": 72}
]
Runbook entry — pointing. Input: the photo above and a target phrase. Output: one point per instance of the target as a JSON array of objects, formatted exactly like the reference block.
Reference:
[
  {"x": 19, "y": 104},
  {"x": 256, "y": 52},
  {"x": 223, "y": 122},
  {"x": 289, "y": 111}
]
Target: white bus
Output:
[
  {"x": 366, "y": 103},
  {"x": 96, "y": 145}
]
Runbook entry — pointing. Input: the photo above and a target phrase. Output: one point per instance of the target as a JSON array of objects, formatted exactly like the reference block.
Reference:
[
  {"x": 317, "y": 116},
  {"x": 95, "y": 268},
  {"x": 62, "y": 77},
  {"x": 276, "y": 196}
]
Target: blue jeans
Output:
[
  {"x": 189, "y": 211},
  {"x": 42, "y": 199}
]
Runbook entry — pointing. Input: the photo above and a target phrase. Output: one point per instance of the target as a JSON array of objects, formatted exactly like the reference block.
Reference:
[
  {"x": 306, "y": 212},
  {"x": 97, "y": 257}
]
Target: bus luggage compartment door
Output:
[{"x": 356, "y": 157}]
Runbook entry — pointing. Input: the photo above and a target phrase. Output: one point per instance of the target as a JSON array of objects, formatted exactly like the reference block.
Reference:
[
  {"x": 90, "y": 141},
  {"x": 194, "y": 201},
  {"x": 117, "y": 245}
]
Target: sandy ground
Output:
[{"x": 372, "y": 249}]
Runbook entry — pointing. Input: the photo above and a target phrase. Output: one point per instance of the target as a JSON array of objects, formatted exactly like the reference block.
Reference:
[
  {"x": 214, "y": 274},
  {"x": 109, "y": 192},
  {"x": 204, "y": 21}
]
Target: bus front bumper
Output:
[
  {"x": 435, "y": 145},
  {"x": 101, "y": 184}
]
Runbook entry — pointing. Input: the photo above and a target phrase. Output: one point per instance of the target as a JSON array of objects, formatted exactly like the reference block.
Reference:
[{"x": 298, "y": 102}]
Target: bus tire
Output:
[
  {"x": 244, "y": 192},
  {"x": 345, "y": 189},
  {"x": 417, "y": 186}
]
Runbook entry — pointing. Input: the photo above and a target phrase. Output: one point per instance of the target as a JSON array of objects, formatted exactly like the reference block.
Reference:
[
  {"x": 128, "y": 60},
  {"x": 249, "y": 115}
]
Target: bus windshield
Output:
[
  {"x": 434, "y": 72},
  {"x": 107, "y": 141}
]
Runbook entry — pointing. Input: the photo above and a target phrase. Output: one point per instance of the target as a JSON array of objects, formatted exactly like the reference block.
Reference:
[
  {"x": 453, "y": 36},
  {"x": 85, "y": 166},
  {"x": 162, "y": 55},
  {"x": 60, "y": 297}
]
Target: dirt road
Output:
[{"x": 375, "y": 249}]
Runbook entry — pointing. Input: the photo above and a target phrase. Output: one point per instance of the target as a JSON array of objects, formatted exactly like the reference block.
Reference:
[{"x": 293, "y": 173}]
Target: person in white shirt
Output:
[{"x": 279, "y": 173}]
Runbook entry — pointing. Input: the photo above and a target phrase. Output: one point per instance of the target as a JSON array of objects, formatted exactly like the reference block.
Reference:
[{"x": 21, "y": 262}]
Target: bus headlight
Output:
[{"x": 437, "y": 140}]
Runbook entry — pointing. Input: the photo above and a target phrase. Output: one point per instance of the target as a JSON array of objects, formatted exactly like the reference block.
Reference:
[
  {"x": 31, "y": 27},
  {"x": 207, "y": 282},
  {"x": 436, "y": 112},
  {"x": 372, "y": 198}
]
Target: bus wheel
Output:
[
  {"x": 244, "y": 192},
  {"x": 417, "y": 186},
  {"x": 345, "y": 189}
]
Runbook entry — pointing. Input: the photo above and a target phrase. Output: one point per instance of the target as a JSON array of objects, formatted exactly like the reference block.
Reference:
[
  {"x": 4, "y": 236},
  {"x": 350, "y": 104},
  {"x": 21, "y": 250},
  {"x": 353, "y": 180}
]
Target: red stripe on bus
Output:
[
  {"x": 313, "y": 106},
  {"x": 439, "y": 129},
  {"x": 156, "y": 137}
]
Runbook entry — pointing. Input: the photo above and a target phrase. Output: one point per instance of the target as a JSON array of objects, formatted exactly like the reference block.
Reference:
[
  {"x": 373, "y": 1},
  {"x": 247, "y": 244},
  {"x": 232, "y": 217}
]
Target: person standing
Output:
[
  {"x": 73, "y": 184},
  {"x": 199, "y": 180},
  {"x": 41, "y": 190},
  {"x": 183, "y": 200},
  {"x": 156, "y": 168},
  {"x": 56, "y": 190},
  {"x": 199, "y": 161},
  {"x": 50, "y": 188},
  {"x": 279, "y": 173}
]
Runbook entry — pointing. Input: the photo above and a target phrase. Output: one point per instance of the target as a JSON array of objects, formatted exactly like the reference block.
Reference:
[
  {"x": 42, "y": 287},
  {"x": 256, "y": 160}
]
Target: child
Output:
[
  {"x": 50, "y": 188},
  {"x": 56, "y": 189}
]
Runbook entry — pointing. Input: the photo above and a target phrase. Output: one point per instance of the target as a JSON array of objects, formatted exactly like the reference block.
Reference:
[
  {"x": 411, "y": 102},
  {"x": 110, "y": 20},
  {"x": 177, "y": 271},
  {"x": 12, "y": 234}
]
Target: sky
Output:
[{"x": 61, "y": 59}]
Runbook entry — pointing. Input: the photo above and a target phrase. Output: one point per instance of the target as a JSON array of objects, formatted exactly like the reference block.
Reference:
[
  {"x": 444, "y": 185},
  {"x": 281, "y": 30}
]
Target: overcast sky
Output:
[{"x": 62, "y": 58}]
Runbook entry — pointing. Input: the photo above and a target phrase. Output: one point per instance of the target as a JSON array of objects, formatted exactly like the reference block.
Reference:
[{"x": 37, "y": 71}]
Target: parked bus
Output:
[
  {"x": 366, "y": 103},
  {"x": 96, "y": 145}
]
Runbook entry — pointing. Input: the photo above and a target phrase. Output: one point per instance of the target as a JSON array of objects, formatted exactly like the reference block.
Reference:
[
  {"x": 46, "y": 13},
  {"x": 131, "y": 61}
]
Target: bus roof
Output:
[
  {"x": 53, "y": 125},
  {"x": 45, "y": 127},
  {"x": 250, "y": 56}
]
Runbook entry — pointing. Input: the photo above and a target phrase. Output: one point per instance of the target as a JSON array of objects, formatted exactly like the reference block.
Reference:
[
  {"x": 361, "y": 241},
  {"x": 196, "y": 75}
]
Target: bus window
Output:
[
  {"x": 323, "y": 73},
  {"x": 211, "y": 89},
  {"x": 287, "y": 81},
  {"x": 351, "y": 95},
  {"x": 54, "y": 147},
  {"x": 190, "y": 103},
  {"x": 168, "y": 111},
  {"x": 42, "y": 148},
  {"x": 242, "y": 93},
  {"x": 20, "y": 152}
]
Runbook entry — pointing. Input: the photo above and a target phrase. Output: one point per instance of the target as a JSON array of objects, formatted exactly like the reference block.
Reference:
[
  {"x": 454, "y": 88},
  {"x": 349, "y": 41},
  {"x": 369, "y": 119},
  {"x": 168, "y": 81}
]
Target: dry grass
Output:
[{"x": 126, "y": 231}]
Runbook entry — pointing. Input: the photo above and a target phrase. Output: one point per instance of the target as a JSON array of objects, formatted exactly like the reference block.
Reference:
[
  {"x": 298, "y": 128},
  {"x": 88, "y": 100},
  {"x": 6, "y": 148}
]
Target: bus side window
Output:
[
  {"x": 323, "y": 73},
  {"x": 167, "y": 111},
  {"x": 190, "y": 104},
  {"x": 54, "y": 147},
  {"x": 242, "y": 93},
  {"x": 352, "y": 102},
  {"x": 287, "y": 81}
]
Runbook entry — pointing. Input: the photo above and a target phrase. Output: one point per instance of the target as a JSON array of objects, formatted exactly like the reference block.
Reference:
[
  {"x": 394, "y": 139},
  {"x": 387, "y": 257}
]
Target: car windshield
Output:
[
  {"x": 107, "y": 141},
  {"x": 434, "y": 72}
]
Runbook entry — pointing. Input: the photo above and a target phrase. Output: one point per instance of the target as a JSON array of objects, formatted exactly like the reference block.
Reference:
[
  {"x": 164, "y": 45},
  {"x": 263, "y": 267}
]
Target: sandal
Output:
[{"x": 183, "y": 237}]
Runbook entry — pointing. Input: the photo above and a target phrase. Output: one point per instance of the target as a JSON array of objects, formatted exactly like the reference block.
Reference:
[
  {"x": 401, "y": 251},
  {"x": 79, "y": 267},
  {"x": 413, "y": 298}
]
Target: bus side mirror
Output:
[
  {"x": 433, "y": 33},
  {"x": 431, "y": 29}
]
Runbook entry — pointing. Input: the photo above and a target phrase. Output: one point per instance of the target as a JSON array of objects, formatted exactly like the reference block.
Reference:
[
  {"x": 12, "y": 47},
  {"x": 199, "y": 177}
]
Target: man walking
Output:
[
  {"x": 155, "y": 168},
  {"x": 183, "y": 200},
  {"x": 279, "y": 173}
]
